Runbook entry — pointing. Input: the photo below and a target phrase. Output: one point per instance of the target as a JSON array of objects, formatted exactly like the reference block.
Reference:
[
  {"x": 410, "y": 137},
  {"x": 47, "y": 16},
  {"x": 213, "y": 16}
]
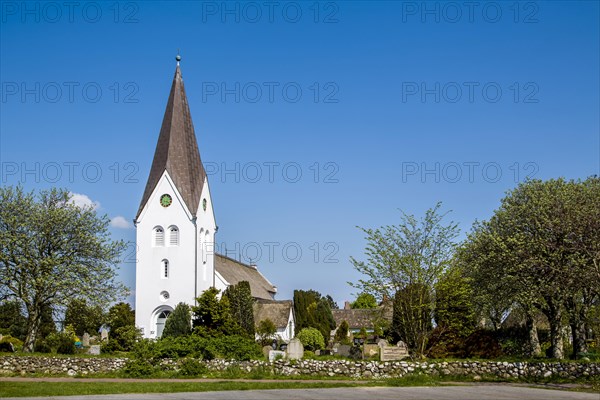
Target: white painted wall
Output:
[
  {"x": 183, "y": 259},
  {"x": 284, "y": 333}
]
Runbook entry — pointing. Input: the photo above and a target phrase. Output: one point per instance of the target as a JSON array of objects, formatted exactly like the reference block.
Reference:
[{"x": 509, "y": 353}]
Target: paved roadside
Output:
[{"x": 470, "y": 392}]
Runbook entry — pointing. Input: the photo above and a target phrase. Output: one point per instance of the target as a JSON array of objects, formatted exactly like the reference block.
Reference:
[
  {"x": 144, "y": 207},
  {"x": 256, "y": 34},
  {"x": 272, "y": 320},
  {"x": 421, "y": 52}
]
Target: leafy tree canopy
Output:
[
  {"x": 54, "y": 251},
  {"x": 364, "y": 300}
]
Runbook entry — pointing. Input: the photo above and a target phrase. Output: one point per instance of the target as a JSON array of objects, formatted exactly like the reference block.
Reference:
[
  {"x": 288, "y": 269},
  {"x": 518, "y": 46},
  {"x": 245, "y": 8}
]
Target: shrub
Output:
[
  {"x": 482, "y": 344},
  {"x": 16, "y": 343},
  {"x": 236, "y": 347},
  {"x": 7, "y": 347},
  {"x": 122, "y": 339},
  {"x": 41, "y": 346},
  {"x": 230, "y": 347},
  {"x": 137, "y": 368},
  {"x": 266, "y": 330},
  {"x": 445, "y": 343},
  {"x": 66, "y": 345},
  {"x": 192, "y": 367},
  {"x": 179, "y": 322},
  {"x": 309, "y": 355},
  {"x": 311, "y": 338},
  {"x": 341, "y": 334}
]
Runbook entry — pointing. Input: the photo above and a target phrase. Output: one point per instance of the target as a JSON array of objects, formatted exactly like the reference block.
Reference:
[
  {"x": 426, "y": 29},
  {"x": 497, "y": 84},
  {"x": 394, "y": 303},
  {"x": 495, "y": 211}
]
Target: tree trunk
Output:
[
  {"x": 556, "y": 339},
  {"x": 33, "y": 325},
  {"x": 577, "y": 322},
  {"x": 534, "y": 342}
]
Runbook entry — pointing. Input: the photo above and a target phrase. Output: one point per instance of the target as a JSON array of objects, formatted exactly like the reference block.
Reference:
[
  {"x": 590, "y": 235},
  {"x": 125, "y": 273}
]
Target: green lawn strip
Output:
[{"x": 79, "y": 388}]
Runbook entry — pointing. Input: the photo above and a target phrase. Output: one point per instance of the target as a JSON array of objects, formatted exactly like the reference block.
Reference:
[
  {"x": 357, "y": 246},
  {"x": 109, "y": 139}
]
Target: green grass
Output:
[
  {"x": 24, "y": 389},
  {"x": 86, "y": 387}
]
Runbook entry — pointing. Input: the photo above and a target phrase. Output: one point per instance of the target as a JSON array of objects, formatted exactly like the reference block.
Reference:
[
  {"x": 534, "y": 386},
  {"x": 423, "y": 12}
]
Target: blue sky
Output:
[{"x": 379, "y": 107}]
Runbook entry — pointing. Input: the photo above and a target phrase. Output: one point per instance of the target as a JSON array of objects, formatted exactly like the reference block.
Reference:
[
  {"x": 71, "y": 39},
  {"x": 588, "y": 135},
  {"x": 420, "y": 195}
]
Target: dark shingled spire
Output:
[{"x": 177, "y": 150}]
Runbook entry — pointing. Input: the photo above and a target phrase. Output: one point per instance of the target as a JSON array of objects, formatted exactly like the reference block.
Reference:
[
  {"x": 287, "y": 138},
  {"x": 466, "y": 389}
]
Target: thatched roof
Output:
[
  {"x": 277, "y": 311},
  {"x": 361, "y": 318},
  {"x": 234, "y": 271}
]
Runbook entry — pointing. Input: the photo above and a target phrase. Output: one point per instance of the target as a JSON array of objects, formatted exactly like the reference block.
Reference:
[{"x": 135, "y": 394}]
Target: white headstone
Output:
[
  {"x": 85, "y": 340},
  {"x": 95, "y": 349},
  {"x": 295, "y": 349},
  {"x": 274, "y": 354}
]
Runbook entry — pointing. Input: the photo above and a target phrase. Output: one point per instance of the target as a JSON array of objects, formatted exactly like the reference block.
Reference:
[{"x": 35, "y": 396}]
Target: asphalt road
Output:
[{"x": 484, "y": 392}]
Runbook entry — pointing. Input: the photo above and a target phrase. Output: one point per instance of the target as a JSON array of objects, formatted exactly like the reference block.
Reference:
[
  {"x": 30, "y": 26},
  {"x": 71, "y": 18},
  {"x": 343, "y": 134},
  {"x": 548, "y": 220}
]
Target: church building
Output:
[{"x": 176, "y": 227}]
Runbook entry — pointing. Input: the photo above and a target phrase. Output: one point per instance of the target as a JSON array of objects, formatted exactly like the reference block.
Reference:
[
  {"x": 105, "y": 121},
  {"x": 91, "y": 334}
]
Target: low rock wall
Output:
[{"x": 342, "y": 368}]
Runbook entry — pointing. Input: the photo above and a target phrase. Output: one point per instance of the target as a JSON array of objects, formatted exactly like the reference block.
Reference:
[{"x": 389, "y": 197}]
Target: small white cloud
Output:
[
  {"x": 120, "y": 222},
  {"x": 81, "y": 200}
]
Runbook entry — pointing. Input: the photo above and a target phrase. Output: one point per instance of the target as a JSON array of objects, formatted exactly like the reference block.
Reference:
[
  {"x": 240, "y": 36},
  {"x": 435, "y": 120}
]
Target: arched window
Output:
[
  {"x": 159, "y": 236},
  {"x": 164, "y": 269},
  {"x": 173, "y": 236}
]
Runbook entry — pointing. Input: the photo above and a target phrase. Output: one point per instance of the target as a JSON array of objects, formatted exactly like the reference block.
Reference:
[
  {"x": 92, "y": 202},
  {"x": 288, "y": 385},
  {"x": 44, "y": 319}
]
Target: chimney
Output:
[{"x": 347, "y": 305}]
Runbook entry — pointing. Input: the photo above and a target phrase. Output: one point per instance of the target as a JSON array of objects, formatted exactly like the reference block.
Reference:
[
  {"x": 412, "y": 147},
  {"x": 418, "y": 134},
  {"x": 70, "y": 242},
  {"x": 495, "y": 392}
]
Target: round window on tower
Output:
[{"x": 164, "y": 295}]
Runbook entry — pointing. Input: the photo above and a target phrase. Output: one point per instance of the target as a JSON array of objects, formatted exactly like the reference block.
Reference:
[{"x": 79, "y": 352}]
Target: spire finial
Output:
[{"x": 178, "y": 57}]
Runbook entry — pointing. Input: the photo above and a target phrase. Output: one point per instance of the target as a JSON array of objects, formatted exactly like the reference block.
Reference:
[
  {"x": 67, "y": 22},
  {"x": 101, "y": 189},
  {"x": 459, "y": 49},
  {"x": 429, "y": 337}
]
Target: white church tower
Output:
[{"x": 175, "y": 224}]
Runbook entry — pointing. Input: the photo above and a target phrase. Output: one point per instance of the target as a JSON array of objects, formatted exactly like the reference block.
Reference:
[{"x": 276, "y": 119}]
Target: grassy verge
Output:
[
  {"x": 79, "y": 387},
  {"x": 24, "y": 389}
]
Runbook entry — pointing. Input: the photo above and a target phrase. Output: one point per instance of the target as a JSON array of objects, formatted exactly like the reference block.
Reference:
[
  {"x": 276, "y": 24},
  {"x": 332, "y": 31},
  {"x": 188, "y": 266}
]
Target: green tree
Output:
[
  {"x": 47, "y": 324},
  {"x": 313, "y": 311},
  {"x": 212, "y": 317},
  {"x": 266, "y": 330},
  {"x": 404, "y": 262},
  {"x": 332, "y": 304},
  {"x": 123, "y": 333},
  {"x": 411, "y": 321},
  {"x": 496, "y": 292},
  {"x": 341, "y": 333},
  {"x": 454, "y": 310},
  {"x": 13, "y": 322},
  {"x": 54, "y": 251},
  {"x": 179, "y": 322},
  {"x": 120, "y": 315},
  {"x": 364, "y": 300},
  {"x": 546, "y": 234},
  {"x": 123, "y": 338},
  {"x": 311, "y": 338},
  {"x": 83, "y": 318},
  {"x": 240, "y": 302}
]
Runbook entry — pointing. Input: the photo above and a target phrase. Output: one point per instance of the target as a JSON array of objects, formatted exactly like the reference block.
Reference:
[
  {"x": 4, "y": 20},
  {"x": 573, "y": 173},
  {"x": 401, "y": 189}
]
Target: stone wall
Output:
[
  {"x": 59, "y": 365},
  {"x": 357, "y": 369}
]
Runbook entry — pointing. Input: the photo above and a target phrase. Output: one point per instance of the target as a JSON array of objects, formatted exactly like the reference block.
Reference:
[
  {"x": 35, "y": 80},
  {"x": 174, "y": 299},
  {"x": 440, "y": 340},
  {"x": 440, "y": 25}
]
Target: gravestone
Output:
[
  {"x": 85, "y": 339},
  {"x": 370, "y": 350},
  {"x": 344, "y": 350},
  {"x": 273, "y": 354},
  {"x": 382, "y": 343},
  {"x": 95, "y": 349},
  {"x": 391, "y": 353},
  {"x": 266, "y": 350},
  {"x": 402, "y": 345},
  {"x": 104, "y": 333},
  {"x": 295, "y": 349}
]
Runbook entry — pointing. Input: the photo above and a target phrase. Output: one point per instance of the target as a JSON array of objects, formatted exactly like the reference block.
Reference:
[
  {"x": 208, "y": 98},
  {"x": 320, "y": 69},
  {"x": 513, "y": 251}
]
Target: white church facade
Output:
[{"x": 176, "y": 227}]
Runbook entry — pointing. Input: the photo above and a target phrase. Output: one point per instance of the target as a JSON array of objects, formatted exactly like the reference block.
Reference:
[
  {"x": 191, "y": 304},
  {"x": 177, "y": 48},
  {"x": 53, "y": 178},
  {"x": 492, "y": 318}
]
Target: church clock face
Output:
[{"x": 165, "y": 200}]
